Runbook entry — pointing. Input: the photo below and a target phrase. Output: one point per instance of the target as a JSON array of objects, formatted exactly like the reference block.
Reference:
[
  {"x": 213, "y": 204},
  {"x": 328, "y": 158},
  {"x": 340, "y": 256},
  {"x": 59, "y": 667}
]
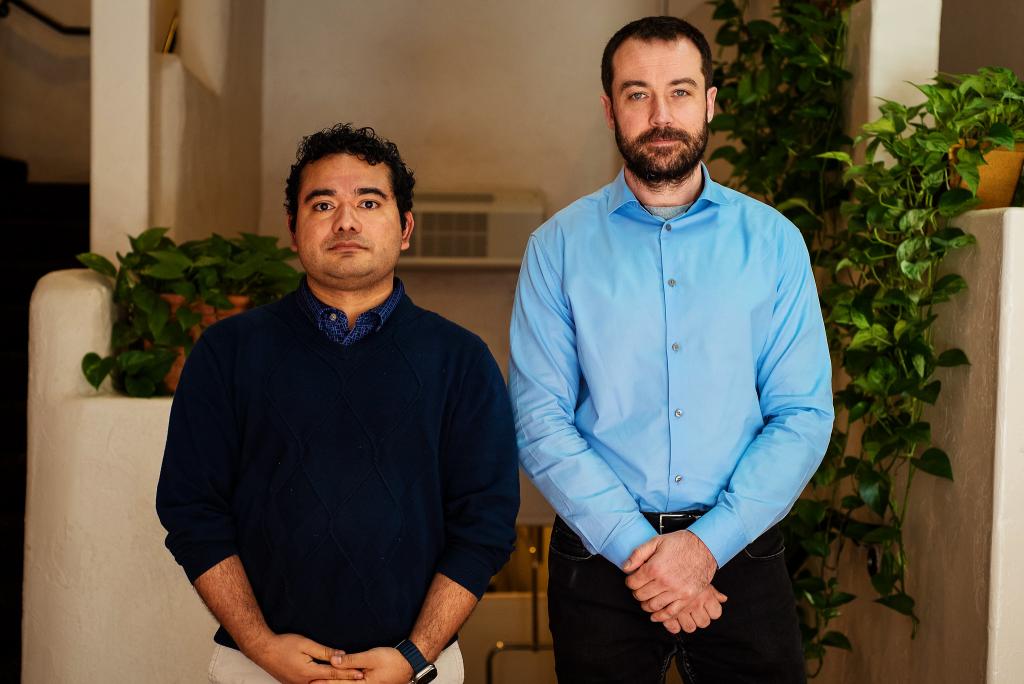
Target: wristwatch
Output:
[{"x": 422, "y": 671}]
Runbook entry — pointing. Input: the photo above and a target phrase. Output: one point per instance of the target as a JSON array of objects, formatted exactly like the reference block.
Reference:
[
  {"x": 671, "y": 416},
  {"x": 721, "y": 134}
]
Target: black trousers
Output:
[{"x": 602, "y": 635}]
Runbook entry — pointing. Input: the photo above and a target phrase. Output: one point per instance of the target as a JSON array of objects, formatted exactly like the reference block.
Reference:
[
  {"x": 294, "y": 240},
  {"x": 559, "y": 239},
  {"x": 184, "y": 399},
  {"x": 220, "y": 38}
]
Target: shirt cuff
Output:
[
  {"x": 625, "y": 540},
  {"x": 722, "y": 532}
]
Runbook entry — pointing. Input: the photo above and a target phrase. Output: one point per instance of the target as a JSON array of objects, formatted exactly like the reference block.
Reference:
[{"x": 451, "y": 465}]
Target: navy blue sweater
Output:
[{"x": 343, "y": 477}]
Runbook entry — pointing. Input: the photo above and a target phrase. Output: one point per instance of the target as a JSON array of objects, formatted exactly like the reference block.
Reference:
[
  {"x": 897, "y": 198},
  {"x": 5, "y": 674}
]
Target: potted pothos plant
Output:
[
  {"x": 168, "y": 293},
  {"x": 979, "y": 118}
]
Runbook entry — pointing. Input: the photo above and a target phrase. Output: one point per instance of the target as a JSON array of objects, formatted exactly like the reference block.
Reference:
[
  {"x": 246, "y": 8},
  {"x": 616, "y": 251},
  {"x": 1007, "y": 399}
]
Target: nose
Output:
[
  {"x": 346, "y": 220},
  {"x": 660, "y": 116}
]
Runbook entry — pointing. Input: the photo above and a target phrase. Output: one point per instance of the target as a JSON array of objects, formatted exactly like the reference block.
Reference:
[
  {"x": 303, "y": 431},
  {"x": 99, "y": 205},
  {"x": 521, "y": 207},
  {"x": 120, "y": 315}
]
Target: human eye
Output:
[
  {"x": 322, "y": 206},
  {"x": 369, "y": 204},
  {"x": 636, "y": 95},
  {"x": 680, "y": 92}
]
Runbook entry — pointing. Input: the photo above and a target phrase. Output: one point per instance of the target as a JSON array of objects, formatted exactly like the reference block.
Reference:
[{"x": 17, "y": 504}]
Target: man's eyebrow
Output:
[
  {"x": 372, "y": 191},
  {"x": 633, "y": 84},
  {"x": 318, "y": 192},
  {"x": 643, "y": 84}
]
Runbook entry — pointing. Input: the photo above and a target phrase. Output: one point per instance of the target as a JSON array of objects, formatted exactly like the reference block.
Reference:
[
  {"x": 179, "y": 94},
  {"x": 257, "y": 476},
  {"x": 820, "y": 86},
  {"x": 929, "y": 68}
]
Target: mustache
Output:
[{"x": 667, "y": 133}]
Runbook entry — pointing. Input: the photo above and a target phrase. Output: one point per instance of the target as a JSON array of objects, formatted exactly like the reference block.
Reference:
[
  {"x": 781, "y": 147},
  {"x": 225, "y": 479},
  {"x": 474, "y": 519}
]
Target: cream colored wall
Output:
[
  {"x": 206, "y": 122},
  {"x": 476, "y": 94},
  {"x": 44, "y": 92},
  {"x": 982, "y": 33}
]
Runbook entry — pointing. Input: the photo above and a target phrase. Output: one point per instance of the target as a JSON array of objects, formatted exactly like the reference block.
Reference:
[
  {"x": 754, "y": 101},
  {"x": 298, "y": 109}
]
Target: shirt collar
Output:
[
  {"x": 316, "y": 310},
  {"x": 620, "y": 195}
]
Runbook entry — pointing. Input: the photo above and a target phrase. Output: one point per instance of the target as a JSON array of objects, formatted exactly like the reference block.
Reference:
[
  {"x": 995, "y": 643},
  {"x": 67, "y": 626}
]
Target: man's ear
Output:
[
  {"x": 289, "y": 223},
  {"x": 408, "y": 223},
  {"x": 609, "y": 112},
  {"x": 711, "y": 94}
]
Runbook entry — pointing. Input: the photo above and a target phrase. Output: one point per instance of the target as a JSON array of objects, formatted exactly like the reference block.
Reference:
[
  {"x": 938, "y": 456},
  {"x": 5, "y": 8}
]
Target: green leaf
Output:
[
  {"x": 956, "y": 201},
  {"x": 149, "y": 240},
  {"x": 187, "y": 318},
  {"x": 952, "y": 357},
  {"x": 874, "y": 490},
  {"x": 1001, "y": 135},
  {"x": 838, "y": 156},
  {"x": 726, "y": 9},
  {"x": 929, "y": 393},
  {"x": 968, "y": 172},
  {"x": 164, "y": 271},
  {"x": 96, "y": 369},
  {"x": 810, "y": 511},
  {"x": 158, "y": 317},
  {"x": 880, "y": 126},
  {"x": 947, "y": 286},
  {"x": 131, "y": 362},
  {"x": 840, "y": 598},
  {"x": 139, "y": 386},
  {"x": 901, "y": 603},
  {"x": 917, "y": 433},
  {"x": 98, "y": 263},
  {"x": 144, "y": 298},
  {"x": 920, "y": 365},
  {"x": 935, "y": 462},
  {"x": 836, "y": 640},
  {"x": 727, "y": 35}
]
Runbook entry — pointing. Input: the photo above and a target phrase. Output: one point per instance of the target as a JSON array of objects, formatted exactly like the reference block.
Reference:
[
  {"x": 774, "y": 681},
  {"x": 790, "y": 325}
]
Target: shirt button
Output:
[
  {"x": 334, "y": 317},
  {"x": 671, "y": 282},
  {"x": 678, "y": 413},
  {"x": 678, "y": 479},
  {"x": 675, "y": 346},
  {"x": 668, "y": 226}
]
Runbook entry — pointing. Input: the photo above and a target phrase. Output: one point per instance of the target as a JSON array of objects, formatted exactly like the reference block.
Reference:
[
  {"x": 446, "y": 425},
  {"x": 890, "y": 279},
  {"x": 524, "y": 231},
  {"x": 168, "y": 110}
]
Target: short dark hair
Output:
[
  {"x": 363, "y": 143},
  {"x": 649, "y": 29}
]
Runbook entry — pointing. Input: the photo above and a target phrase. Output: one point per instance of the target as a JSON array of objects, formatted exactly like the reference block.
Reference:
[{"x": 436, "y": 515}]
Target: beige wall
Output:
[
  {"x": 476, "y": 94},
  {"x": 44, "y": 92},
  {"x": 982, "y": 33},
  {"x": 206, "y": 122}
]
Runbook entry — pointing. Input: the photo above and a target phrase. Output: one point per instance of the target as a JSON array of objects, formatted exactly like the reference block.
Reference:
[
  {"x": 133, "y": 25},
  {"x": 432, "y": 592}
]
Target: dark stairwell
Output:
[{"x": 44, "y": 226}]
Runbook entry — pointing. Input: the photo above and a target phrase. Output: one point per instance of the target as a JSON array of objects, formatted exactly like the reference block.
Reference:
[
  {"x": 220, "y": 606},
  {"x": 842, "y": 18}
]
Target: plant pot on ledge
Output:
[
  {"x": 997, "y": 177},
  {"x": 209, "y": 314},
  {"x": 168, "y": 293}
]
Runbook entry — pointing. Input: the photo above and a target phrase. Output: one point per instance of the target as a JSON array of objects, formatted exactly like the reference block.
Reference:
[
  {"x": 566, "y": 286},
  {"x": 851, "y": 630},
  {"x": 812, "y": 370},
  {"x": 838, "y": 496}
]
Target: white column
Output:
[{"x": 120, "y": 138}]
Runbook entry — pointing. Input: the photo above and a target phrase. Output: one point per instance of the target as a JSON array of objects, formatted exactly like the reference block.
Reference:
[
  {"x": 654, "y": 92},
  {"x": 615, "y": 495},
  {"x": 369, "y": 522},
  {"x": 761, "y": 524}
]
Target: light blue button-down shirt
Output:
[{"x": 668, "y": 366}]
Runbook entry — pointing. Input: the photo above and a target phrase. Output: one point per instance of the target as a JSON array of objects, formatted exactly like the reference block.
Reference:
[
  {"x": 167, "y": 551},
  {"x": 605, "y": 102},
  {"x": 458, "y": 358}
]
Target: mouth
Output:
[{"x": 346, "y": 247}]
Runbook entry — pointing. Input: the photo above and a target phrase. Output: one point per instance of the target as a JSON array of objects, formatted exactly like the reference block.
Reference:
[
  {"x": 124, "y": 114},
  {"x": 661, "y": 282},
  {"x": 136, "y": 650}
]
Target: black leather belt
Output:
[{"x": 672, "y": 522}]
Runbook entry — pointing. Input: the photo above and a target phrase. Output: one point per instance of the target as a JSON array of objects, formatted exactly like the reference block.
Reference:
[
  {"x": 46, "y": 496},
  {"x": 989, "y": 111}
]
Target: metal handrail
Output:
[{"x": 5, "y": 9}]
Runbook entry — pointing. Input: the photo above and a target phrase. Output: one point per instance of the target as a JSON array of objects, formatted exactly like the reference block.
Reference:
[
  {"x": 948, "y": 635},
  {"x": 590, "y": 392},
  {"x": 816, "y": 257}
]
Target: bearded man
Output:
[{"x": 671, "y": 387}]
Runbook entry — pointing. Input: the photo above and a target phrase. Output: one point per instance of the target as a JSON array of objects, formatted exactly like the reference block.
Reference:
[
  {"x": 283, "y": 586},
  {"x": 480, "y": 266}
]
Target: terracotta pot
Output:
[
  {"x": 998, "y": 177},
  {"x": 210, "y": 316}
]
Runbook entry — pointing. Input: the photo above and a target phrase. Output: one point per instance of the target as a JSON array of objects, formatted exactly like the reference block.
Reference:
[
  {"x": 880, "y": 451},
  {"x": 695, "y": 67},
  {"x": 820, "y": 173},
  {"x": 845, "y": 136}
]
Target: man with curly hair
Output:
[{"x": 340, "y": 479}]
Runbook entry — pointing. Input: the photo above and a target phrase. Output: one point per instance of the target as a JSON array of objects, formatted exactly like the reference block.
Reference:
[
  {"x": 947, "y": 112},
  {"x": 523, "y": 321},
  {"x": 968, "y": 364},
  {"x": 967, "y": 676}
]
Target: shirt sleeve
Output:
[
  {"x": 794, "y": 385},
  {"x": 480, "y": 478},
  {"x": 544, "y": 381},
  {"x": 193, "y": 496}
]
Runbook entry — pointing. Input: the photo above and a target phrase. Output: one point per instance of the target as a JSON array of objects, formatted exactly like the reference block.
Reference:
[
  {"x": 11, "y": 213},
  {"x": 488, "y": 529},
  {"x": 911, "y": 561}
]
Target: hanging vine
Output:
[{"x": 878, "y": 232}]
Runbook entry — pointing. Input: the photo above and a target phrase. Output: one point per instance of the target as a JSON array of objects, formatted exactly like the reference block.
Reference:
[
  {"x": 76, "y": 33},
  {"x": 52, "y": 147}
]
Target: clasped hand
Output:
[
  {"x": 294, "y": 659},
  {"x": 670, "y": 575}
]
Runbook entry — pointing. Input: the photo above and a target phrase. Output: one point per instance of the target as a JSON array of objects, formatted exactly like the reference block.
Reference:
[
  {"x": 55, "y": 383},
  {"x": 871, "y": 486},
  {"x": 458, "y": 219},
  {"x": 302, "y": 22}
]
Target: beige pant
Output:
[{"x": 229, "y": 666}]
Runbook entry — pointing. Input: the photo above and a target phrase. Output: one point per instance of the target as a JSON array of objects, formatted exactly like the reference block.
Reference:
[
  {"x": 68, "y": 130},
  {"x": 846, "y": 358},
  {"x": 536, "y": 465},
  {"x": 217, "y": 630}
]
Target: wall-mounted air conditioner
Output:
[{"x": 478, "y": 225}]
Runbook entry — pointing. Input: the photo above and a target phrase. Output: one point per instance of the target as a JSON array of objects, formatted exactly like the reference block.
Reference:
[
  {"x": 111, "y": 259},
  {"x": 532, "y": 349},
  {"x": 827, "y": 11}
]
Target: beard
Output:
[{"x": 662, "y": 166}]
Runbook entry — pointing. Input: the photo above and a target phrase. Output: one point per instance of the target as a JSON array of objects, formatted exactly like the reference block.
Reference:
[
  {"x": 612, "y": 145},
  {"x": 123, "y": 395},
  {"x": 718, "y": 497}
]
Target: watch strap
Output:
[{"x": 413, "y": 655}]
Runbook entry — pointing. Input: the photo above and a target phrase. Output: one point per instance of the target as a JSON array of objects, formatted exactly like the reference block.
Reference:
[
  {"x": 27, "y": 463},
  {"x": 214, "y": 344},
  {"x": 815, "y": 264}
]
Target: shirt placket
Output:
[{"x": 673, "y": 346}]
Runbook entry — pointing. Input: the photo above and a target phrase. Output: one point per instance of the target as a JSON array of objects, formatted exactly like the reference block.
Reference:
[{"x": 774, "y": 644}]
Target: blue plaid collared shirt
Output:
[{"x": 333, "y": 322}]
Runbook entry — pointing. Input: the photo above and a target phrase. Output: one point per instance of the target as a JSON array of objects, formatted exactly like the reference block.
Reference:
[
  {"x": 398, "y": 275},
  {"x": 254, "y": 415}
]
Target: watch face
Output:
[{"x": 427, "y": 674}]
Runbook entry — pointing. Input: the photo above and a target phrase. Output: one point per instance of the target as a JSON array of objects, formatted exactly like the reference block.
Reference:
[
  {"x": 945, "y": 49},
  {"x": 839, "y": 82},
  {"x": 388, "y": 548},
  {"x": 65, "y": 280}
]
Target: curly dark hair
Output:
[
  {"x": 359, "y": 142},
  {"x": 655, "y": 28}
]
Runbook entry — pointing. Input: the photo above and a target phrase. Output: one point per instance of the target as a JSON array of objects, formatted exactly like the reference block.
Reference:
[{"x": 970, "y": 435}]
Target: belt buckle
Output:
[{"x": 671, "y": 516}]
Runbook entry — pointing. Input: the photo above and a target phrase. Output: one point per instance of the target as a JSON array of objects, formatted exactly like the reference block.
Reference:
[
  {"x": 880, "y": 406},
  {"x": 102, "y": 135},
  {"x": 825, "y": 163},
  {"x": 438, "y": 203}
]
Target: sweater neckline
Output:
[{"x": 288, "y": 308}]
